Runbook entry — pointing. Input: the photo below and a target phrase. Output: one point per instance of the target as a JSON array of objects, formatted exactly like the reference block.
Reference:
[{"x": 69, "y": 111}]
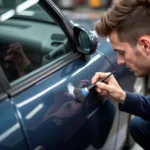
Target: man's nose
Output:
[{"x": 120, "y": 60}]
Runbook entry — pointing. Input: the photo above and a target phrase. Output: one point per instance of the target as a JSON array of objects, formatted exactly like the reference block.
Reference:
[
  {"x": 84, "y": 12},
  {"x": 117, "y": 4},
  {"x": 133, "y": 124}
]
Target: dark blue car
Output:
[{"x": 43, "y": 57}]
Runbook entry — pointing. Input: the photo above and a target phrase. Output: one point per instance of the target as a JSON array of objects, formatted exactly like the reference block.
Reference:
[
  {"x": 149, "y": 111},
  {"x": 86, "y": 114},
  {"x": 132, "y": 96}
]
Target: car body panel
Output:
[
  {"x": 50, "y": 105},
  {"x": 11, "y": 135}
]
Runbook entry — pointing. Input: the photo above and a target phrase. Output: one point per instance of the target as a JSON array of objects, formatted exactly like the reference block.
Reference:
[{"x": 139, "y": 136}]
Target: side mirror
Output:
[{"x": 85, "y": 40}]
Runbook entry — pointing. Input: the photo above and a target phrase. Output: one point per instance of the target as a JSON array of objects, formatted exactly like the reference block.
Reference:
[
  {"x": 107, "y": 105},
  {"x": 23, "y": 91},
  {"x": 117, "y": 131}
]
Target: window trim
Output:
[
  {"x": 4, "y": 85},
  {"x": 45, "y": 71},
  {"x": 3, "y": 96},
  {"x": 42, "y": 73},
  {"x": 3, "y": 80}
]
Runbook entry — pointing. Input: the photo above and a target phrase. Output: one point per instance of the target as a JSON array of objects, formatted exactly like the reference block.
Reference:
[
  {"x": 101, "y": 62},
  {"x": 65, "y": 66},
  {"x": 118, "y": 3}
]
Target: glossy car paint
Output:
[
  {"x": 11, "y": 135},
  {"x": 53, "y": 118}
]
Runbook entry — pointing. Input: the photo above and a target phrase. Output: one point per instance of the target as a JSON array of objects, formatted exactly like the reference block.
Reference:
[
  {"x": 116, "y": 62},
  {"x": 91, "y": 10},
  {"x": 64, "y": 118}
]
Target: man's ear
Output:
[{"x": 145, "y": 43}]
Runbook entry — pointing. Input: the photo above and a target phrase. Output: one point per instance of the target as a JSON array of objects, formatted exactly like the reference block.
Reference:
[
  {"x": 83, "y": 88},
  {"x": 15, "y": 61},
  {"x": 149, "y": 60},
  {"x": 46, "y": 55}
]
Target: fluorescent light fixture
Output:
[
  {"x": 26, "y": 5},
  {"x": 7, "y": 15}
]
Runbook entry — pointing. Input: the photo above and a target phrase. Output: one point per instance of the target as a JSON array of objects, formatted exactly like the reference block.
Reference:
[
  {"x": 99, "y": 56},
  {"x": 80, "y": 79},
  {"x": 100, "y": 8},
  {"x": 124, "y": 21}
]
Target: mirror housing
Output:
[{"x": 85, "y": 40}]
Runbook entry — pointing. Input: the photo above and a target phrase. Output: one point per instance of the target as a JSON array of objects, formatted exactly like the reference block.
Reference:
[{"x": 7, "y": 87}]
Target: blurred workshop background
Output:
[
  {"x": 84, "y": 11},
  {"x": 84, "y": 6},
  {"x": 91, "y": 4}
]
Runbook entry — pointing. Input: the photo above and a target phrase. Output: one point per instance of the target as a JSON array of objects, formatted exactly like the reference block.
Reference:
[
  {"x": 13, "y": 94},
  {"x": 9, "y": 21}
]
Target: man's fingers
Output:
[
  {"x": 101, "y": 92},
  {"x": 98, "y": 76},
  {"x": 103, "y": 87},
  {"x": 95, "y": 77}
]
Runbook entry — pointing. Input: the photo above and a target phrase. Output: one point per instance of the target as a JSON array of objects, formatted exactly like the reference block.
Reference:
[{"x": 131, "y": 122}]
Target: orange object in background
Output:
[{"x": 95, "y": 3}]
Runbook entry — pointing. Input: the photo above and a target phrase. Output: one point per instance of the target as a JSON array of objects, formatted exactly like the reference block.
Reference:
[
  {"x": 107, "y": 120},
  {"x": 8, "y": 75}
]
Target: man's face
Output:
[{"x": 133, "y": 58}]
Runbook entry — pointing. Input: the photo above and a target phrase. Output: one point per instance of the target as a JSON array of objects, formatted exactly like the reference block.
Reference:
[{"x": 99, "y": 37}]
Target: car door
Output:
[
  {"x": 11, "y": 135},
  {"x": 43, "y": 62}
]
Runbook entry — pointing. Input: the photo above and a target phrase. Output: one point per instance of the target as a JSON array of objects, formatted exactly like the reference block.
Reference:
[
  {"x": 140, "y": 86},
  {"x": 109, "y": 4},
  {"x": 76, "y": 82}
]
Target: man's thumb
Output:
[{"x": 103, "y": 86}]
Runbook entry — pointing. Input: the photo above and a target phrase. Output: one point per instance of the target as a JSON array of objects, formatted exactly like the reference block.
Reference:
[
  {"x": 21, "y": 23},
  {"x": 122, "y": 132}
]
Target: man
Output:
[{"x": 127, "y": 23}]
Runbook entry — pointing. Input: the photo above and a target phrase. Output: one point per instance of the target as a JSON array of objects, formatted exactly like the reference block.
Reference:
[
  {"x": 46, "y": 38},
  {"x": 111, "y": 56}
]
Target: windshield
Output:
[{"x": 26, "y": 9}]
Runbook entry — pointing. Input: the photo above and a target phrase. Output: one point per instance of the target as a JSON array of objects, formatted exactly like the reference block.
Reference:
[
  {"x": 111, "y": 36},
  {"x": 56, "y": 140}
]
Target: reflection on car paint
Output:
[
  {"x": 9, "y": 131},
  {"x": 92, "y": 113},
  {"x": 108, "y": 40},
  {"x": 95, "y": 58},
  {"x": 70, "y": 88},
  {"x": 62, "y": 113},
  {"x": 23, "y": 6},
  {"x": 34, "y": 111},
  {"x": 40, "y": 94}
]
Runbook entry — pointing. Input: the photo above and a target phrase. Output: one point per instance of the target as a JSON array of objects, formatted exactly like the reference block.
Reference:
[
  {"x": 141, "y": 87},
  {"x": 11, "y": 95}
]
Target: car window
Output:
[{"x": 29, "y": 39}]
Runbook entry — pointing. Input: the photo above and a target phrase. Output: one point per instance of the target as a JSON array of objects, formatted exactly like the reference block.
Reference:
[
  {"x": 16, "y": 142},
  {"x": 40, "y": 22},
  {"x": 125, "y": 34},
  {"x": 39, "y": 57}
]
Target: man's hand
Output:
[{"x": 110, "y": 87}]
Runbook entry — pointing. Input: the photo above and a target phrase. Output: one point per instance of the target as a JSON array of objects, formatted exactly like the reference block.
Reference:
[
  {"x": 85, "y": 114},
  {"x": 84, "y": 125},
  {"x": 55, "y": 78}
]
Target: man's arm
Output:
[
  {"x": 137, "y": 105},
  {"x": 131, "y": 103}
]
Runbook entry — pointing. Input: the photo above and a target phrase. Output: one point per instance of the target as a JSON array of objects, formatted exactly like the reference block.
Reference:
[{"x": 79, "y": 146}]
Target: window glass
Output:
[{"x": 29, "y": 39}]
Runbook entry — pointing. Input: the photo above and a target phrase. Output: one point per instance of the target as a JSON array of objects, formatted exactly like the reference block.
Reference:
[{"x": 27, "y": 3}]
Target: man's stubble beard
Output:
[{"x": 143, "y": 64}]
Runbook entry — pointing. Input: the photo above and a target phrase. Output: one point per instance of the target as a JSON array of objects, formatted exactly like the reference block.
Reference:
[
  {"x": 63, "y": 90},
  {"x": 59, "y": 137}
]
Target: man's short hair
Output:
[{"x": 129, "y": 18}]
